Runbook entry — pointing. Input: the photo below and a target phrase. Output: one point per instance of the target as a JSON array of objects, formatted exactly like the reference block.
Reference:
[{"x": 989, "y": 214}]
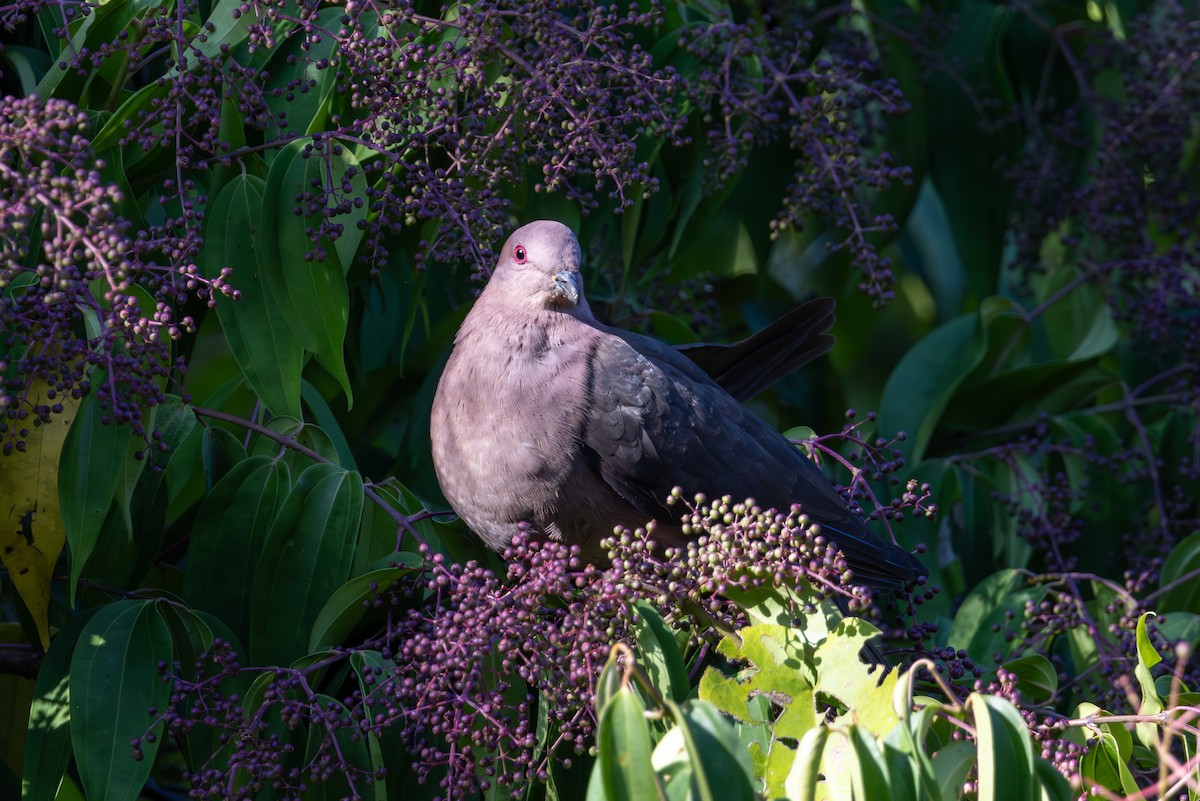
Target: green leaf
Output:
[
  {"x": 301, "y": 71},
  {"x": 347, "y": 606},
  {"x": 99, "y": 27},
  {"x": 1178, "y": 570},
  {"x": 306, "y": 558},
  {"x": 379, "y": 530},
  {"x": 623, "y": 771},
  {"x": 1151, "y": 704},
  {"x": 180, "y": 434},
  {"x": 222, "y": 450},
  {"x": 842, "y": 674},
  {"x": 659, "y": 652},
  {"x": 922, "y": 384},
  {"x": 962, "y": 160},
  {"x": 28, "y": 65},
  {"x": 1005, "y": 750},
  {"x": 311, "y": 292},
  {"x": 141, "y": 100},
  {"x": 951, "y": 764},
  {"x": 988, "y": 605},
  {"x": 298, "y": 432},
  {"x": 345, "y": 744},
  {"x": 1148, "y": 655},
  {"x": 48, "y": 737},
  {"x": 1036, "y": 677},
  {"x": 802, "y": 780},
  {"x": 720, "y": 764},
  {"x": 231, "y": 527},
  {"x": 328, "y": 423},
  {"x": 1054, "y": 785},
  {"x": 115, "y": 683},
  {"x": 1103, "y": 765},
  {"x": 89, "y": 471},
  {"x": 225, "y": 28},
  {"x": 772, "y": 652},
  {"x": 869, "y": 774},
  {"x": 263, "y": 342}
]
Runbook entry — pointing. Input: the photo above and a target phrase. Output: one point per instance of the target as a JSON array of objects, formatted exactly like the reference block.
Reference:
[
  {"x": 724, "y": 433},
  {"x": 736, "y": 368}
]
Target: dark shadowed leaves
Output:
[
  {"x": 117, "y": 691},
  {"x": 306, "y": 558}
]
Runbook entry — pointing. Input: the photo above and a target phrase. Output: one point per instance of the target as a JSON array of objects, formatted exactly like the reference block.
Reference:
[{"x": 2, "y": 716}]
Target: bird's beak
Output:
[{"x": 566, "y": 287}]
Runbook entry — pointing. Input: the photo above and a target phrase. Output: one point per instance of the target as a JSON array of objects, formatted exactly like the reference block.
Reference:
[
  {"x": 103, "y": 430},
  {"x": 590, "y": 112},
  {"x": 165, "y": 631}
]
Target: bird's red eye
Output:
[{"x": 519, "y": 254}]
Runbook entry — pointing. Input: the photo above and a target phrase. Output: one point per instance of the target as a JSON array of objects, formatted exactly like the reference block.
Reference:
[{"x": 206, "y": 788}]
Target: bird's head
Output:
[{"x": 539, "y": 266}]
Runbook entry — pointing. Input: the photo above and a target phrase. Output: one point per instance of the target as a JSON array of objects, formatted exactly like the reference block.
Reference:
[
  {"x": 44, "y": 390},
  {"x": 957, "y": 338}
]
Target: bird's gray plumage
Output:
[{"x": 544, "y": 415}]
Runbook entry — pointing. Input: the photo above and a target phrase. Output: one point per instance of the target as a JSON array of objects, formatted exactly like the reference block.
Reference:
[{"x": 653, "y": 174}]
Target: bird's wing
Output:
[
  {"x": 656, "y": 422},
  {"x": 746, "y": 368}
]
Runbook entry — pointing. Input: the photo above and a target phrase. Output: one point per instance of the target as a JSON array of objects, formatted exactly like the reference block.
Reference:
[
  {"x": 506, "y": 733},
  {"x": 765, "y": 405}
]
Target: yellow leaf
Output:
[{"x": 33, "y": 536}]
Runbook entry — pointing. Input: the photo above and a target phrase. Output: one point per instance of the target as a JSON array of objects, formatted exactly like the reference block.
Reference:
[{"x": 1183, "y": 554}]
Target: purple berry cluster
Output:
[
  {"x": 487, "y": 678},
  {"x": 765, "y": 83},
  {"x": 80, "y": 295},
  {"x": 1129, "y": 223}
]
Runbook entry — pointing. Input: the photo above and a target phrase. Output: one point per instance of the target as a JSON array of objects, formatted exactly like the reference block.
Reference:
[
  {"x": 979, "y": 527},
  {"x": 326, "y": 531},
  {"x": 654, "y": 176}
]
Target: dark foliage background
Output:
[{"x": 236, "y": 239}]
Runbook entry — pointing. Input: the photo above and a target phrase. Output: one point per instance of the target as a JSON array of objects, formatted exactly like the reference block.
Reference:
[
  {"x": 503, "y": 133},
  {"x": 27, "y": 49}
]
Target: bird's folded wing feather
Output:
[{"x": 656, "y": 422}]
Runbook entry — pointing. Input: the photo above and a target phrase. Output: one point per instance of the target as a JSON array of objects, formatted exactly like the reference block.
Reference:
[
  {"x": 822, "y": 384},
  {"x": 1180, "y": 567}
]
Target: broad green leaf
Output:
[
  {"x": 1179, "y": 626},
  {"x": 1180, "y": 589},
  {"x": 1036, "y": 677},
  {"x": 179, "y": 433},
  {"x": 962, "y": 156},
  {"x": 869, "y": 774},
  {"x": 609, "y": 684},
  {"x": 779, "y": 668},
  {"x": 1102, "y": 764},
  {"x": 1122, "y": 738},
  {"x": 780, "y": 605},
  {"x": 347, "y": 606},
  {"x": 306, "y": 558},
  {"x": 842, "y": 674},
  {"x": 379, "y": 533},
  {"x": 952, "y": 764},
  {"x": 327, "y": 421},
  {"x": 48, "y": 737},
  {"x": 802, "y": 780},
  {"x": 301, "y": 71},
  {"x": 141, "y": 100},
  {"x": 226, "y": 27},
  {"x": 659, "y": 654},
  {"x": 298, "y": 432},
  {"x": 720, "y": 766},
  {"x": 772, "y": 653},
  {"x": 221, "y": 451},
  {"x": 341, "y": 742},
  {"x": 230, "y": 530},
  {"x": 100, "y": 27},
  {"x": 115, "y": 683},
  {"x": 673, "y": 765},
  {"x": 306, "y": 278},
  {"x": 88, "y": 474},
  {"x": 988, "y": 604},
  {"x": 28, "y": 65},
  {"x": 623, "y": 771},
  {"x": 264, "y": 343},
  {"x": 922, "y": 384},
  {"x": 1006, "y": 757},
  {"x": 1053, "y": 786}
]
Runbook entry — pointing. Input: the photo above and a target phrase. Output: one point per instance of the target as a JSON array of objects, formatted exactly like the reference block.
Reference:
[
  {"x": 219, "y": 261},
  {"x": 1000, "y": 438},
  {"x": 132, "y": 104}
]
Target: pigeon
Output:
[{"x": 545, "y": 416}]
